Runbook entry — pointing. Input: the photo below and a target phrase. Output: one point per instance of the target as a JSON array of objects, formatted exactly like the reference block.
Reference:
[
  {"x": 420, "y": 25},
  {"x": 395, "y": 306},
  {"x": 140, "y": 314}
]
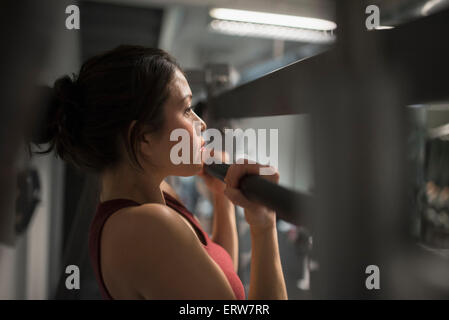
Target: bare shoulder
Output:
[
  {"x": 149, "y": 250},
  {"x": 150, "y": 228},
  {"x": 147, "y": 220},
  {"x": 137, "y": 236}
]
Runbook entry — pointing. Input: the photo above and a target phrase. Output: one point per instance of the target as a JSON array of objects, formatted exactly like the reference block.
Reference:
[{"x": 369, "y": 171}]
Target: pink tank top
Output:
[{"x": 216, "y": 252}]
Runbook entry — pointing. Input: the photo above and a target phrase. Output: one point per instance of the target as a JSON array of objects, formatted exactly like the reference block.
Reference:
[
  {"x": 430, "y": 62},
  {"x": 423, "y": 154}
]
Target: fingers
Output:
[
  {"x": 215, "y": 156},
  {"x": 236, "y": 171},
  {"x": 225, "y": 157},
  {"x": 237, "y": 197}
]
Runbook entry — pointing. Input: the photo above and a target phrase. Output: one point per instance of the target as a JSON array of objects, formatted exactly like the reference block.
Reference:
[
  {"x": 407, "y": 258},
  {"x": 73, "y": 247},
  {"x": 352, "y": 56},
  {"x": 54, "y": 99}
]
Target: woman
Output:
[{"x": 115, "y": 119}]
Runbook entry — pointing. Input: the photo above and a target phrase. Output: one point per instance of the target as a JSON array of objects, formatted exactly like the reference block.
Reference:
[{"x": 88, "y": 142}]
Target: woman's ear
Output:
[
  {"x": 146, "y": 147},
  {"x": 146, "y": 140},
  {"x": 143, "y": 137},
  {"x": 130, "y": 127}
]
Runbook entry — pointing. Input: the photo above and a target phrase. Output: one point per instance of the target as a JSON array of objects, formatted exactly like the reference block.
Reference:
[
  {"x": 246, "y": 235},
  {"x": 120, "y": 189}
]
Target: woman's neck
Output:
[{"x": 126, "y": 183}]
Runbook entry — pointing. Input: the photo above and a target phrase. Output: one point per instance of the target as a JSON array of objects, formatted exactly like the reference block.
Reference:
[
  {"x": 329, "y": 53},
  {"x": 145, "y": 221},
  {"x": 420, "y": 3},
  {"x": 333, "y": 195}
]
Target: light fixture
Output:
[
  {"x": 383, "y": 27},
  {"x": 269, "y": 31},
  {"x": 428, "y": 6},
  {"x": 270, "y": 25},
  {"x": 272, "y": 19}
]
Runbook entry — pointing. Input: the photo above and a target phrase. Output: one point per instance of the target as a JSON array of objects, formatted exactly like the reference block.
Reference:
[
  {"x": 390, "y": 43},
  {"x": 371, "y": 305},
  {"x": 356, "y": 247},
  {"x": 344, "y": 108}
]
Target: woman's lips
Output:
[{"x": 203, "y": 146}]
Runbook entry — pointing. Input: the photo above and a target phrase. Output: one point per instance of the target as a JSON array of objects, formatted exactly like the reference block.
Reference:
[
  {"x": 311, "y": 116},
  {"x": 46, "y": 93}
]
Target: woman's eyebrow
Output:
[{"x": 187, "y": 96}]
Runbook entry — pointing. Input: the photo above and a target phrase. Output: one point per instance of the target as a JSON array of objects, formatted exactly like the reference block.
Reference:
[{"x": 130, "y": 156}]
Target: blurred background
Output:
[{"x": 355, "y": 128}]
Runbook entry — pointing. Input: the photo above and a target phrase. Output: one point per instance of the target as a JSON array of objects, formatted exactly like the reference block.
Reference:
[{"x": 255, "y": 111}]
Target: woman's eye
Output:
[{"x": 188, "y": 110}]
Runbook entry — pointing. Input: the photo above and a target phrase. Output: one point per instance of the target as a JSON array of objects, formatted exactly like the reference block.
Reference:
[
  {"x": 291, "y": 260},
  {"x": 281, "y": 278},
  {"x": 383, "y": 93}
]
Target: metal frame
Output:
[
  {"x": 356, "y": 94},
  {"x": 410, "y": 48}
]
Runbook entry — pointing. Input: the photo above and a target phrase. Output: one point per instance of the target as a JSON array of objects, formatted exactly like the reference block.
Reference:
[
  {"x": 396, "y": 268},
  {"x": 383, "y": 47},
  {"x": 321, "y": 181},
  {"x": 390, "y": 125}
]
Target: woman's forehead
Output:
[{"x": 179, "y": 86}]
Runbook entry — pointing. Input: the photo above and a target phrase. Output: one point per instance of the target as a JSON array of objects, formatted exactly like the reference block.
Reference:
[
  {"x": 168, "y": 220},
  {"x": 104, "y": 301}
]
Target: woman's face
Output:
[{"x": 178, "y": 115}]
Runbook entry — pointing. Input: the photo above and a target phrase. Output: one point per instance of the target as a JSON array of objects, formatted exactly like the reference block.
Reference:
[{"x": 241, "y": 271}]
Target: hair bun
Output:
[{"x": 62, "y": 113}]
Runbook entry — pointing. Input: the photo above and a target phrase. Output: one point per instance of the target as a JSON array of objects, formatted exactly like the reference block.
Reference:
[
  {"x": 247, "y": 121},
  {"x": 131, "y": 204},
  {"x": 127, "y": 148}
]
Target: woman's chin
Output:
[
  {"x": 196, "y": 168},
  {"x": 199, "y": 167}
]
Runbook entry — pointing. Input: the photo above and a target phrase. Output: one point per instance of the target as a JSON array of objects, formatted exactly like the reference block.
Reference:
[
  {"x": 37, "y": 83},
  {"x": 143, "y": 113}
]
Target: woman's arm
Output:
[
  {"x": 267, "y": 279},
  {"x": 153, "y": 253},
  {"x": 224, "y": 229}
]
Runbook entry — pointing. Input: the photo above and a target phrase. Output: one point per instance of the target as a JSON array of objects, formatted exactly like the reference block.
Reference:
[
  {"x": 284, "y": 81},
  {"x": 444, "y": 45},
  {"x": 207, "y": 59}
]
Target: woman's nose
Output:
[{"x": 203, "y": 124}]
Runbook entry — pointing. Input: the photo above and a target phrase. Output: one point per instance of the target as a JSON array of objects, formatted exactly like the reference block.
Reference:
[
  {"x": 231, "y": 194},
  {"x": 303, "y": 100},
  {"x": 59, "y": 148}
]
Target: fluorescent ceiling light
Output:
[
  {"x": 428, "y": 6},
  {"x": 272, "y": 19},
  {"x": 383, "y": 27},
  {"x": 270, "y": 31}
]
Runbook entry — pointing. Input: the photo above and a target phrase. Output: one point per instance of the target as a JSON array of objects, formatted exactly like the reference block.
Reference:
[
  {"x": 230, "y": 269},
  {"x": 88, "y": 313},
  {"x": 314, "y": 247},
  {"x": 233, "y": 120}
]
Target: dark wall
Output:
[{"x": 105, "y": 26}]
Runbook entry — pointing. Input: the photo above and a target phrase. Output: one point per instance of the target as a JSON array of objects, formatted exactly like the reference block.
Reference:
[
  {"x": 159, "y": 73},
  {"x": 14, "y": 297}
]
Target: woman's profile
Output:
[{"x": 115, "y": 118}]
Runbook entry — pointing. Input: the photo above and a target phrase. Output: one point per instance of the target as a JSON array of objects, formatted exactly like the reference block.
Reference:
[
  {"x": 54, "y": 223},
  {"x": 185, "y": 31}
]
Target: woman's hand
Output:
[
  {"x": 215, "y": 186},
  {"x": 258, "y": 216}
]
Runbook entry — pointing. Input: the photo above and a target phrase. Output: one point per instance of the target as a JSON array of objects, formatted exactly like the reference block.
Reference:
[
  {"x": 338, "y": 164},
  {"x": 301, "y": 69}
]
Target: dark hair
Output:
[{"x": 88, "y": 113}]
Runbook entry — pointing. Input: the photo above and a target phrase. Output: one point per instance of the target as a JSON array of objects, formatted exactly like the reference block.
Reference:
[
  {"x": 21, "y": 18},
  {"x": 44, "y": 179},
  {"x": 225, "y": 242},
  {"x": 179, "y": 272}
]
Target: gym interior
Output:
[{"x": 351, "y": 97}]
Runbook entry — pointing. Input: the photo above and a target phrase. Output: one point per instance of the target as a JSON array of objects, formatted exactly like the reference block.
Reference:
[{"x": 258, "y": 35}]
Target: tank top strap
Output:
[{"x": 176, "y": 205}]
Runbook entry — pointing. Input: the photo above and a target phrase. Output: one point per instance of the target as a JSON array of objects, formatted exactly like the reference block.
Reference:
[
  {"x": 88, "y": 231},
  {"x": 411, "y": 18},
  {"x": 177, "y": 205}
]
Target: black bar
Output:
[
  {"x": 417, "y": 50},
  {"x": 285, "y": 91},
  {"x": 289, "y": 205},
  {"x": 420, "y": 51}
]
